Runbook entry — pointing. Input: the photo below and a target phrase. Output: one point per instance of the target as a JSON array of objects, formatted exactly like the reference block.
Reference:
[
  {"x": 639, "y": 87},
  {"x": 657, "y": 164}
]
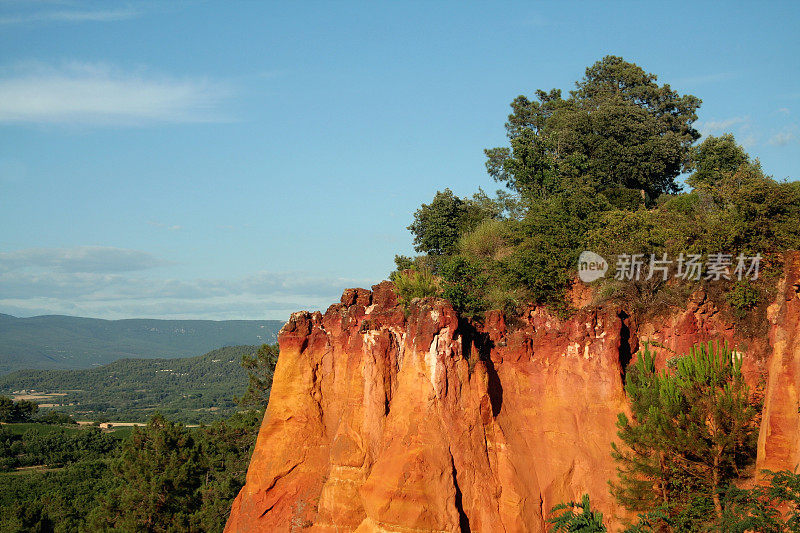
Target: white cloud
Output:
[
  {"x": 112, "y": 283},
  {"x": 749, "y": 141},
  {"x": 161, "y": 225},
  {"x": 96, "y": 94},
  {"x": 70, "y": 15},
  {"x": 782, "y": 138},
  {"x": 208, "y": 309},
  {"x": 711, "y": 127},
  {"x": 80, "y": 259},
  {"x": 784, "y": 110}
]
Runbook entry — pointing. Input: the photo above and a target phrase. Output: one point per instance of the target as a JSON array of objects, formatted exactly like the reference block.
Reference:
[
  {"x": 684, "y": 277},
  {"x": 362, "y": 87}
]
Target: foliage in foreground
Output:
[
  {"x": 567, "y": 520},
  {"x": 170, "y": 478},
  {"x": 745, "y": 510}
]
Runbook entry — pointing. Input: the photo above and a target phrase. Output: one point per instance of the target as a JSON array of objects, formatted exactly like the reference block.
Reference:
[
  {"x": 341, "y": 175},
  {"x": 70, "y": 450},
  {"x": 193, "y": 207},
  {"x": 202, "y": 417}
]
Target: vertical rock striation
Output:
[{"x": 779, "y": 439}]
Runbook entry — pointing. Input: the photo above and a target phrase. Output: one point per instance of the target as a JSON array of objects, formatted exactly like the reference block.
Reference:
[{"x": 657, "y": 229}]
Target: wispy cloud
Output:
[
  {"x": 66, "y": 11},
  {"x": 161, "y": 225},
  {"x": 71, "y": 15},
  {"x": 79, "y": 259},
  {"x": 110, "y": 282},
  {"x": 782, "y": 138},
  {"x": 711, "y": 127},
  {"x": 97, "y": 94}
]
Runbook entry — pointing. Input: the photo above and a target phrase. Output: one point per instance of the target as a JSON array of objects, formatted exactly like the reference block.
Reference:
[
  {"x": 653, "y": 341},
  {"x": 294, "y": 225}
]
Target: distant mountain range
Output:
[{"x": 67, "y": 342}]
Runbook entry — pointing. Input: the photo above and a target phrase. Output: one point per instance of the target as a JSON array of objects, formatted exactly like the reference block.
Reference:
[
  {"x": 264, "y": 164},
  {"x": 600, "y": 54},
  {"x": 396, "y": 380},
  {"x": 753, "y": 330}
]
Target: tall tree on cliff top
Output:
[
  {"x": 692, "y": 433},
  {"x": 617, "y": 129}
]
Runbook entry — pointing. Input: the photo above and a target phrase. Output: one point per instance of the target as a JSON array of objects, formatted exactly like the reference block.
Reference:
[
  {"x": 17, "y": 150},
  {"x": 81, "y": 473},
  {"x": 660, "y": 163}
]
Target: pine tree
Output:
[
  {"x": 692, "y": 432},
  {"x": 260, "y": 370},
  {"x": 160, "y": 473}
]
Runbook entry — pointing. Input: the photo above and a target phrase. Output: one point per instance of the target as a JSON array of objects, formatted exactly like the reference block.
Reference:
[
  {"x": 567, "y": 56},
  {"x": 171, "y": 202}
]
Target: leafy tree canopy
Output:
[
  {"x": 260, "y": 369},
  {"x": 19, "y": 411},
  {"x": 618, "y": 128},
  {"x": 715, "y": 158},
  {"x": 437, "y": 225}
]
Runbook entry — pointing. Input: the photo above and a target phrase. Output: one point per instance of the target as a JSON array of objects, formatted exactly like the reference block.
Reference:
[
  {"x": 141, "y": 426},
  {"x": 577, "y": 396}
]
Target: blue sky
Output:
[{"x": 248, "y": 159}]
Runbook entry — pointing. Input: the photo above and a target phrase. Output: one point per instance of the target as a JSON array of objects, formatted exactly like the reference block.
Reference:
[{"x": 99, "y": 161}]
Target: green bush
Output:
[
  {"x": 506, "y": 299},
  {"x": 412, "y": 284},
  {"x": 487, "y": 241},
  {"x": 743, "y": 296},
  {"x": 464, "y": 285}
]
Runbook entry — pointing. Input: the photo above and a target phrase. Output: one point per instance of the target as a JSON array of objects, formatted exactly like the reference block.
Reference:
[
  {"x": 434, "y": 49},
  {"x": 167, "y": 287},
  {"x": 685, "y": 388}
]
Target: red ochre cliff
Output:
[{"x": 382, "y": 422}]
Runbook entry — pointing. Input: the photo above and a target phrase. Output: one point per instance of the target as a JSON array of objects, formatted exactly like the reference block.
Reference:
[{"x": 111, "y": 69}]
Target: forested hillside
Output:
[
  {"x": 58, "y": 476},
  {"x": 73, "y": 342},
  {"x": 192, "y": 390}
]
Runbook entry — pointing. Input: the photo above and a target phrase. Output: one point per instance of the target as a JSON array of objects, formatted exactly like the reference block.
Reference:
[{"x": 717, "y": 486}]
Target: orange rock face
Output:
[
  {"x": 779, "y": 439},
  {"x": 382, "y": 422}
]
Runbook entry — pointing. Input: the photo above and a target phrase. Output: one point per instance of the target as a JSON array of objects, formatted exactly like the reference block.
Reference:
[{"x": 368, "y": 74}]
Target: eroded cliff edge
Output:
[{"x": 379, "y": 421}]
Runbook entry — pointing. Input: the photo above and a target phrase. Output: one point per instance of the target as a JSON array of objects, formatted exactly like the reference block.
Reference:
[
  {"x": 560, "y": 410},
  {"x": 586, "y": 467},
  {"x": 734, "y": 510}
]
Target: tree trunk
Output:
[{"x": 715, "y": 487}]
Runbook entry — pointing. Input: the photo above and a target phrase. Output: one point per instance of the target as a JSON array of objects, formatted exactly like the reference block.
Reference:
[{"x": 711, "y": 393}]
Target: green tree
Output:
[
  {"x": 160, "y": 473},
  {"x": 6, "y": 409},
  {"x": 438, "y": 225},
  {"x": 20, "y": 411},
  {"x": 548, "y": 242},
  {"x": 260, "y": 370},
  {"x": 714, "y": 158},
  {"x": 226, "y": 448},
  {"x": 464, "y": 285},
  {"x": 570, "y": 521},
  {"x": 618, "y": 128},
  {"x": 692, "y": 433}
]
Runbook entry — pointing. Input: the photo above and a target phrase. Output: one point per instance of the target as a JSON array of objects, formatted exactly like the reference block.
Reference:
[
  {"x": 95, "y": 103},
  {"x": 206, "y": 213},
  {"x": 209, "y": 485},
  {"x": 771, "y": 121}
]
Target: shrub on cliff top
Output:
[{"x": 412, "y": 284}]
